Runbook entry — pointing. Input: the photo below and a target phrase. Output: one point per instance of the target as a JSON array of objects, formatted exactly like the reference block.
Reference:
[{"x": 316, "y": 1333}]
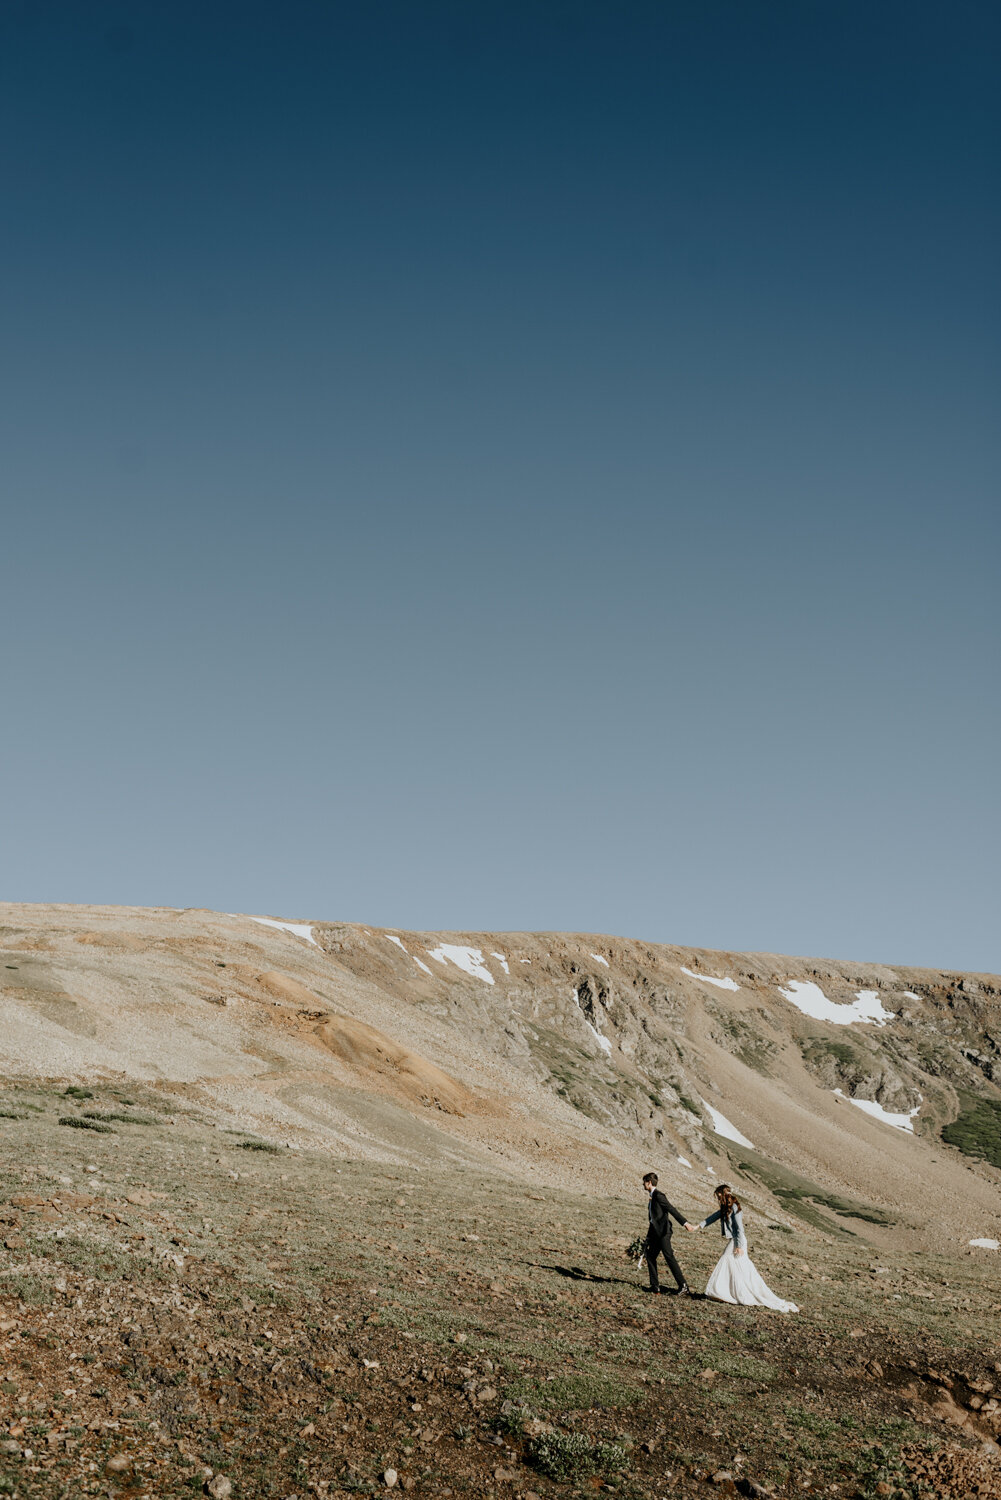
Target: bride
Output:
[{"x": 735, "y": 1277}]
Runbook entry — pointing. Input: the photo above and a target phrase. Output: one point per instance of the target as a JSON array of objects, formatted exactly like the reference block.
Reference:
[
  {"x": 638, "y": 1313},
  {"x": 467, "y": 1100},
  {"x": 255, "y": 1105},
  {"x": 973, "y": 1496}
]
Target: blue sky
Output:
[{"x": 512, "y": 466}]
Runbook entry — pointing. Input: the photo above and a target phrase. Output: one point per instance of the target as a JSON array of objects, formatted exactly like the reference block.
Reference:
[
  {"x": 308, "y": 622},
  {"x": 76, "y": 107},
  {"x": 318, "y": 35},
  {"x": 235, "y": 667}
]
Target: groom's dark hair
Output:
[{"x": 650, "y": 1177}]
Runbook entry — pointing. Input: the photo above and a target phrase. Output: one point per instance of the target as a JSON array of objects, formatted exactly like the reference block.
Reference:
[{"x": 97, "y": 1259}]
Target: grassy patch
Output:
[
  {"x": 12, "y": 1114},
  {"x": 797, "y": 1194},
  {"x": 819, "y": 1049},
  {"x": 745, "y": 1366},
  {"x": 36, "y": 1291},
  {"x": 574, "y": 1456},
  {"x": 76, "y": 1092},
  {"x": 76, "y": 1123},
  {"x": 977, "y": 1131},
  {"x": 258, "y": 1146},
  {"x": 93, "y": 1114},
  {"x": 577, "y": 1392}
]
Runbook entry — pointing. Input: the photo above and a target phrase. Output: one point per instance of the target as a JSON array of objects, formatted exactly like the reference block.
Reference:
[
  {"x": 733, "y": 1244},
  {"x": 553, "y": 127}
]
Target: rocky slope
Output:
[{"x": 821, "y": 1088}]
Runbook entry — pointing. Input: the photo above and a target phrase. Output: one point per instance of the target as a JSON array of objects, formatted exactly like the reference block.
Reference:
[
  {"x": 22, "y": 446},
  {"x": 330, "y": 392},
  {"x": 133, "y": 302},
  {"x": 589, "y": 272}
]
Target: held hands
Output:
[{"x": 693, "y": 1227}]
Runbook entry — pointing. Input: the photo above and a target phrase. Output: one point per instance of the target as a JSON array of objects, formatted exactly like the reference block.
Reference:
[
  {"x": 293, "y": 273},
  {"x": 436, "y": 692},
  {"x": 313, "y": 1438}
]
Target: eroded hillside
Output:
[{"x": 822, "y": 1088}]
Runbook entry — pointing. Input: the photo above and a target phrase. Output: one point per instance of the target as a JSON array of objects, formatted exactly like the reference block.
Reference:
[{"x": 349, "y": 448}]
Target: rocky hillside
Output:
[{"x": 849, "y": 1099}]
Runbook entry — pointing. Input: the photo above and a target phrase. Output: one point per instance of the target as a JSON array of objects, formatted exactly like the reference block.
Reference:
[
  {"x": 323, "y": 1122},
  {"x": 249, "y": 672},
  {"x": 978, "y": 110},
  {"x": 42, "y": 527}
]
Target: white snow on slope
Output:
[
  {"x": 502, "y": 961},
  {"x": 811, "y": 1000},
  {"x": 683, "y": 1160},
  {"x": 898, "y": 1121},
  {"x": 723, "y": 1127},
  {"x": 299, "y": 929},
  {"x": 986, "y": 1244},
  {"x": 599, "y": 960},
  {"x": 602, "y": 1041},
  {"x": 911, "y": 995},
  {"x": 723, "y": 984},
  {"x": 469, "y": 960},
  {"x": 416, "y": 960},
  {"x": 524, "y": 960}
]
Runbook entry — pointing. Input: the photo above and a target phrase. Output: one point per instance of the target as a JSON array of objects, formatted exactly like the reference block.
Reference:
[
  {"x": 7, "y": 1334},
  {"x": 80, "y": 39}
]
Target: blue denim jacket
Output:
[{"x": 731, "y": 1224}]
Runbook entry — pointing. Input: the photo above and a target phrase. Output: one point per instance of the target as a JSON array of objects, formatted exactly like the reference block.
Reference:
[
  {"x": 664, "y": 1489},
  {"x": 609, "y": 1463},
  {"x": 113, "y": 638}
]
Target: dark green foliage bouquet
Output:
[{"x": 636, "y": 1251}]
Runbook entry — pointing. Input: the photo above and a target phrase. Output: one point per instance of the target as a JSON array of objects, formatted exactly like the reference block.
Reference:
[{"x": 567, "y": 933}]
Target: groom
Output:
[{"x": 658, "y": 1238}]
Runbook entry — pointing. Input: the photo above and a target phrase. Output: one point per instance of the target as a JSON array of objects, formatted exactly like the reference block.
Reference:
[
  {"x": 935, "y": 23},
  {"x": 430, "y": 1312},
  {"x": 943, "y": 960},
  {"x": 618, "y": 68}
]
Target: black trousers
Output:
[{"x": 662, "y": 1247}]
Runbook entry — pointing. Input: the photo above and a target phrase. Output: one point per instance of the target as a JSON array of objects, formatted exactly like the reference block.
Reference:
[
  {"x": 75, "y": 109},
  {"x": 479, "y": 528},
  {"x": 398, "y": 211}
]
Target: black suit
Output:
[{"x": 658, "y": 1239}]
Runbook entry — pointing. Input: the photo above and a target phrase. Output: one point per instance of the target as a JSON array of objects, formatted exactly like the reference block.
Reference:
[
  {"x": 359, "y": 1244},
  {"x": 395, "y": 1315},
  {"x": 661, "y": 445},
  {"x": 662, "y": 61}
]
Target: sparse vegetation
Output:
[
  {"x": 77, "y": 1122},
  {"x": 823, "y": 1047},
  {"x": 577, "y": 1392},
  {"x": 258, "y": 1146},
  {"x": 278, "y": 1290},
  {"x": 125, "y": 1119},
  {"x": 798, "y": 1194},
  {"x": 573, "y": 1456},
  {"x": 977, "y": 1131}
]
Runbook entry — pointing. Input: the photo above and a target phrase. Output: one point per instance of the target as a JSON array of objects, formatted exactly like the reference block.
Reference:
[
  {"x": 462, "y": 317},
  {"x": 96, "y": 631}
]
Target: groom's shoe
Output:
[{"x": 684, "y": 1291}]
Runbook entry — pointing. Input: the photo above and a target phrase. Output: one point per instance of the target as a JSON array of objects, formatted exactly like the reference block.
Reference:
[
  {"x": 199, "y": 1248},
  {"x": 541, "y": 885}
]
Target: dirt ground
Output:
[{"x": 184, "y": 1309}]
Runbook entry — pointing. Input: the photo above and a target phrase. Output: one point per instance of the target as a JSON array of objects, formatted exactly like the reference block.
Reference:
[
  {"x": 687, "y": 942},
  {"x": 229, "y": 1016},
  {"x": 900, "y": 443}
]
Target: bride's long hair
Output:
[{"x": 727, "y": 1198}]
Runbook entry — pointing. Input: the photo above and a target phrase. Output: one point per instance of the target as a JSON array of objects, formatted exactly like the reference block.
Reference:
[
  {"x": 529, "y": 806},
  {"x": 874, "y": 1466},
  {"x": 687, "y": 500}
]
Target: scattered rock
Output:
[
  {"x": 219, "y": 1487},
  {"x": 389, "y": 1478},
  {"x": 118, "y": 1463}
]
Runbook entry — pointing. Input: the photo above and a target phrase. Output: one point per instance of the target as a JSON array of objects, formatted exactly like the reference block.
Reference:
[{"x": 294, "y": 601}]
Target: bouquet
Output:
[{"x": 636, "y": 1251}]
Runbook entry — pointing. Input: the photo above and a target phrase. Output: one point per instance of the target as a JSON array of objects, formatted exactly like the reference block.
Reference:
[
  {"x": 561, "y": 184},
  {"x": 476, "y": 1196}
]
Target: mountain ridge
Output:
[{"x": 570, "y": 1059}]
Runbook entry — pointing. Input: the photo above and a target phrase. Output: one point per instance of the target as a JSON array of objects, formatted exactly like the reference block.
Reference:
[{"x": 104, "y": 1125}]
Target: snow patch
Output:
[
  {"x": 399, "y": 945},
  {"x": 602, "y": 1041},
  {"x": 524, "y": 960},
  {"x": 986, "y": 1244},
  {"x": 911, "y": 995},
  {"x": 298, "y": 929},
  {"x": 722, "y": 984},
  {"x": 811, "y": 1000},
  {"x": 898, "y": 1121},
  {"x": 683, "y": 1160},
  {"x": 469, "y": 960},
  {"x": 723, "y": 1127},
  {"x": 599, "y": 960},
  {"x": 502, "y": 961}
]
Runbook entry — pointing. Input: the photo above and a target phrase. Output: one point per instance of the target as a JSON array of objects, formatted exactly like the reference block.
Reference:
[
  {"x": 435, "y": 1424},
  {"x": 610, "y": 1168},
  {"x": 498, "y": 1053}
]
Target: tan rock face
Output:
[{"x": 369, "y": 1051}]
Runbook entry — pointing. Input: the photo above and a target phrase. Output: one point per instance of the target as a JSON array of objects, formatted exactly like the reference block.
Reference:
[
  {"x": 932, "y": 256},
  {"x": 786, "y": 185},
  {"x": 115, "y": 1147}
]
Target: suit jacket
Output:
[{"x": 661, "y": 1214}]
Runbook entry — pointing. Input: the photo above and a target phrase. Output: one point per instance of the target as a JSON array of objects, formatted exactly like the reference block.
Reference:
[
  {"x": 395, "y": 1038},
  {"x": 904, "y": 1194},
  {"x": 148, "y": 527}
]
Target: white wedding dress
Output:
[{"x": 735, "y": 1278}]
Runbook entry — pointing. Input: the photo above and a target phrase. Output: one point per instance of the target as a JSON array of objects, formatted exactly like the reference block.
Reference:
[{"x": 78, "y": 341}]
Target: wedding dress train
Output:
[{"x": 735, "y": 1278}]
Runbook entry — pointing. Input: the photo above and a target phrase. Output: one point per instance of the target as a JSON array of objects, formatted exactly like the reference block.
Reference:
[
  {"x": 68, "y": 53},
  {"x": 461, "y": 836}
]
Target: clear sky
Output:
[{"x": 506, "y": 465}]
